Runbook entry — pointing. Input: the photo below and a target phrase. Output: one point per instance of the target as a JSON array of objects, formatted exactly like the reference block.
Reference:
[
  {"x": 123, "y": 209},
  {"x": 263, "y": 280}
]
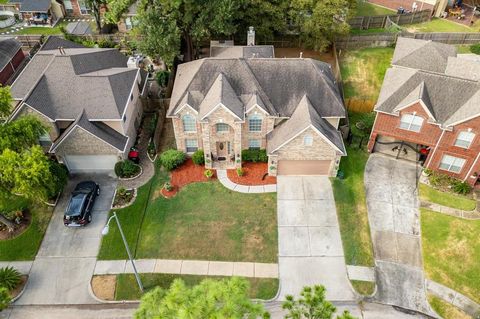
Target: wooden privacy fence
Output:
[
  {"x": 380, "y": 22},
  {"x": 389, "y": 39},
  {"x": 359, "y": 105}
]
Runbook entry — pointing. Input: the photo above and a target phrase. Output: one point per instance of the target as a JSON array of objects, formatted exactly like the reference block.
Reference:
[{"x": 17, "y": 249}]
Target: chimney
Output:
[{"x": 251, "y": 36}]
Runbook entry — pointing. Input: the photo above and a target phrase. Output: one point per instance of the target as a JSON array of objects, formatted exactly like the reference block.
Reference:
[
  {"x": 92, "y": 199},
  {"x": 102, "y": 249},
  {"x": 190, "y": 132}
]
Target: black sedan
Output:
[{"x": 79, "y": 209}]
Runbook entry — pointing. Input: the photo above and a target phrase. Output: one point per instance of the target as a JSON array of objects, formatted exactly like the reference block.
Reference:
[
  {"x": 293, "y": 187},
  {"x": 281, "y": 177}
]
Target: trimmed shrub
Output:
[
  {"x": 168, "y": 187},
  {"x": 475, "y": 48},
  {"x": 171, "y": 159},
  {"x": 162, "y": 78},
  {"x": 9, "y": 277},
  {"x": 462, "y": 188},
  {"x": 254, "y": 155},
  {"x": 240, "y": 171},
  {"x": 5, "y": 298},
  {"x": 60, "y": 174},
  {"x": 198, "y": 157},
  {"x": 208, "y": 173},
  {"x": 126, "y": 169}
]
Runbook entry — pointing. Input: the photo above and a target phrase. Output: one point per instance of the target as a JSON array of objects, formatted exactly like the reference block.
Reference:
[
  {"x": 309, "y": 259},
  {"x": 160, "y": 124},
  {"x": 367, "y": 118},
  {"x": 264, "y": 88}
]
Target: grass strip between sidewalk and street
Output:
[{"x": 127, "y": 289}]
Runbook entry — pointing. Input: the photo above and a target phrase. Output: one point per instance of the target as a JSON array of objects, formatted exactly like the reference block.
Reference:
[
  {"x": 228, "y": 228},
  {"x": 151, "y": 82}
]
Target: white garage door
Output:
[
  {"x": 90, "y": 163},
  {"x": 304, "y": 167}
]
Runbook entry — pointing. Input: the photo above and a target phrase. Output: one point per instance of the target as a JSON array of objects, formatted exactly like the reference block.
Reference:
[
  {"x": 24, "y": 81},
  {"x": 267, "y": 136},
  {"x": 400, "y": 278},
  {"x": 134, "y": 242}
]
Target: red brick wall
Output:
[
  {"x": 8, "y": 70},
  {"x": 406, "y": 4},
  {"x": 18, "y": 58}
]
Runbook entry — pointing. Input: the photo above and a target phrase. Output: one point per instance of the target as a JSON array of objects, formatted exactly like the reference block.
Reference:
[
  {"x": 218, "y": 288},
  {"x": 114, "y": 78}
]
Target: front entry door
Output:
[{"x": 222, "y": 151}]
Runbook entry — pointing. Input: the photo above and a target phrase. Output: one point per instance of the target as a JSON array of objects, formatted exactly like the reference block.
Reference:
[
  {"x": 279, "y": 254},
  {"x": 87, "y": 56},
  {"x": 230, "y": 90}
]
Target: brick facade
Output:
[
  {"x": 431, "y": 135},
  {"x": 10, "y": 68}
]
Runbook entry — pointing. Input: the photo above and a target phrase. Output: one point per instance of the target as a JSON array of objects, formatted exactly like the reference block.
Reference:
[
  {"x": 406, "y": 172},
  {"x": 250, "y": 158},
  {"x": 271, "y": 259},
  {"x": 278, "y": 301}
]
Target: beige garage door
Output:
[{"x": 304, "y": 167}]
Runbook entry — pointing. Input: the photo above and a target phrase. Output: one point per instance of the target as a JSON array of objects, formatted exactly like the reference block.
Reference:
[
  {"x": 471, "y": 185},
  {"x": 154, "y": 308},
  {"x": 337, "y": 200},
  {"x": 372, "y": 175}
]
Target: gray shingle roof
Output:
[
  {"x": 423, "y": 55},
  {"x": 8, "y": 49},
  {"x": 62, "y": 86},
  {"x": 54, "y": 42},
  {"x": 79, "y": 28},
  {"x": 463, "y": 68},
  {"x": 305, "y": 115},
  {"x": 247, "y": 52},
  {"x": 33, "y": 5}
]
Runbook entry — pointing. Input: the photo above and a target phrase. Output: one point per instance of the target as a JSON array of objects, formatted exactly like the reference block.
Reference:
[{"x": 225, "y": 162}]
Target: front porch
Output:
[{"x": 223, "y": 164}]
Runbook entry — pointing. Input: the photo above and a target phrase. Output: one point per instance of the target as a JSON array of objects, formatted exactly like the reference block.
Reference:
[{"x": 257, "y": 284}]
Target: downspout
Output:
[{"x": 435, "y": 149}]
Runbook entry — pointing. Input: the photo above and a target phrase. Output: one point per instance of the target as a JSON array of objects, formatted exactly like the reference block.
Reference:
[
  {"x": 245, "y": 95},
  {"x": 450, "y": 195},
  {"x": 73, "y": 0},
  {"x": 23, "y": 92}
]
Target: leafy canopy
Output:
[
  {"x": 311, "y": 305},
  {"x": 5, "y": 101},
  {"x": 226, "y": 298}
]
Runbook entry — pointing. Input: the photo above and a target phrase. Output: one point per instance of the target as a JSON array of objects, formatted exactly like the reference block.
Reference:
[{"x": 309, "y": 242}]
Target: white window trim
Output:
[
  {"x": 255, "y": 117},
  {"x": 469, "y": 142},
  {"x": 195, "y": 124},
  {"x": 455, "y": 159},
  {"x": 409, "y": 128},
  {"x": 187, "y": 147}
]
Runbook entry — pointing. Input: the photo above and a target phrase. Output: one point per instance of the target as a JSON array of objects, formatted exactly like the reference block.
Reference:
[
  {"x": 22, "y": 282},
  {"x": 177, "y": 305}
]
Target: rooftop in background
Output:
[
  {"x": 33, "y": 5},
  {"x": 8, "y": 49},
  {"x": 79, "y": 28},
  {"x": 228, "y": 50}
]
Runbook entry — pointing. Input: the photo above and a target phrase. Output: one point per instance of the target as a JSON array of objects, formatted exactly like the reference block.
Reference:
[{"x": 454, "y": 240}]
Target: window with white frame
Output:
[
  {"x": 254, "y": 144},
  {"x": 464, "y": 139},
  {"x": 255, "y": 123},
  {"x": 452, "y": 164},
  {"x": 222, "y": 128},
  {"x": 411, "y": 122},
  {"x": 308, "y": 140},
  {"x": 191, "y": 145},
  {"x": 44, "y": 139},
  {"x": 189, "y": 123}
]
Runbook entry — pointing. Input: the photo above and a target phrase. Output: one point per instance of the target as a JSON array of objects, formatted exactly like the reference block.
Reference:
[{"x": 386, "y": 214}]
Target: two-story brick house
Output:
[
  {"x": 430, "y": 99},
  {"x": 87, "y": 98},
  {"x": 241, "y": 100}
]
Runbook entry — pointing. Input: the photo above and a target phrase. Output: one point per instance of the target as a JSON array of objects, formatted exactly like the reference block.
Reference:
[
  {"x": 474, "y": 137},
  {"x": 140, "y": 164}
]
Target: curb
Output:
[
  {"x": 92, "y": 294},
  {"x": 21, "y": 292}
]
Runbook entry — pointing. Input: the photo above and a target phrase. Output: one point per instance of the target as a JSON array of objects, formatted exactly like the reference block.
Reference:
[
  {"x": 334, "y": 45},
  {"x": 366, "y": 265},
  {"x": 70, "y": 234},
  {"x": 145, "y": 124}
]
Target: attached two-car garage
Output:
[
  {"x": 90, "y": 163},
  {"x": 304, "y": 167}
]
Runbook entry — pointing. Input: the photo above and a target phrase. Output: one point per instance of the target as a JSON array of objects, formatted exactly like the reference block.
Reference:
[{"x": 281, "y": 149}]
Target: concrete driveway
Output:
[
  {"x": 65, "y": 262},
  {"x": 393, "y": 212},
  {"x": 310, "y": 246}
]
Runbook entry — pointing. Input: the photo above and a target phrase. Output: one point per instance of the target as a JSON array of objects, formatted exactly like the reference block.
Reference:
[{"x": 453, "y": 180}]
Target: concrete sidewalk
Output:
[
  {"x": 188, "y": 267},
  {"x": 23, "y": 267},
  {"x": 223, "y": 178}
]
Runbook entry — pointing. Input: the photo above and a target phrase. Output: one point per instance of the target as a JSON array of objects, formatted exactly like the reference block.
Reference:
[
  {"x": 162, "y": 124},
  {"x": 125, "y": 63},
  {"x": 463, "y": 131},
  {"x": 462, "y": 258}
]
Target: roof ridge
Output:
[
  {"x": 259, "y": 89},
  {"x": 201, "y": 61}
]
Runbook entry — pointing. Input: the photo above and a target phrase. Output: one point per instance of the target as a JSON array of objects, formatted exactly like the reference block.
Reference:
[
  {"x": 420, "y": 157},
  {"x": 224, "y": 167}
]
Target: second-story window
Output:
[
  {"x": 255, "y": 123},
  {"x": 464, "y": 139},
  {"x": 189, "y": 123},
  {"x": 411, "y": 122},
  {"x": 222, "y": 127}
]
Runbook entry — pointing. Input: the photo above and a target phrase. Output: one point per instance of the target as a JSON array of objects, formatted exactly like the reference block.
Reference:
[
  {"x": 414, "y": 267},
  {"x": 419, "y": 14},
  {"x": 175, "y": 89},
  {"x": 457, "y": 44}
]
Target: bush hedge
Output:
[
  {"x": 254, "y": 155},
  {"x": 172, "y": 158},
  {"x": 126, "y": 169},
  {"x": 198, "y": 157},
  {"x": 475, "y": 48},
  {"x": 162, "y": 78},
  {"x": 60, "y": 174}
]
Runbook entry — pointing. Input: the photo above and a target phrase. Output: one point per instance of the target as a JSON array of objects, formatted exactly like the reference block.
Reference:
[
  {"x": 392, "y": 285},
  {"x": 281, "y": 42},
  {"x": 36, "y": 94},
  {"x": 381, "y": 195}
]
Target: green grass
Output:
[
  {"x": 430, "y": 194},
  {"x": 365, "y": 288},
  {"x": 445, "y": 309},
  {"x": 438, "y": 25},
  {"x": 363, "y": 71},
  {"x": 462, "y": 49},
  {"x": 352, "y": 210},
  {"x": 25, "y": 246},
  {"x": 203, "y": 221},
  {"x": 127, "y": 289},
  {"x": 367, "y": 9},
  {"x": 451, "y": 252}
]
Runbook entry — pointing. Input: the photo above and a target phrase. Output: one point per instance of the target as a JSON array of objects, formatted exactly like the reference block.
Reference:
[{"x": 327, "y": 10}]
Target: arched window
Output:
[
  {"x": 411, "y": 122},
  {"x": 255, "y": 123},
  {"x": 189, "y": 123},
  {"x": 308, "y": 140},
  {"x": 222, "y": 127},
  {"x": 464, "y": 139}
]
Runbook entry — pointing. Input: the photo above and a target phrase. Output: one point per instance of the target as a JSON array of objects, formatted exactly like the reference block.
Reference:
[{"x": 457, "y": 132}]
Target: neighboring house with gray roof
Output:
[
  {"x": 430, "y": 101},
  {"x": 87, "y": 97},
  {"x": 11, "y": 57},
  {"x": 290, "y": 107}
]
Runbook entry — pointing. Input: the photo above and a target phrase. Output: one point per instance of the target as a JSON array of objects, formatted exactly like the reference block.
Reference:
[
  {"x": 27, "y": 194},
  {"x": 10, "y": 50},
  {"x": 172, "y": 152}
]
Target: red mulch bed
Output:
[
  {"x": 187, "y": 173},
  {"x": 253, "y": 175}
]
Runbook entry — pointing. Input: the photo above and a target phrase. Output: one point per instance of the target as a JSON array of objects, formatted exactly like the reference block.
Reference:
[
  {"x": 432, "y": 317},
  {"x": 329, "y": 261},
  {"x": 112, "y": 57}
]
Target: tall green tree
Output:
[
  {"x": 172, "y": 27},
  {"x": 96, "y": 6},
  {"x": 320, "y": 21},
  {"x": 311, "y": 305},
  {"x": 5, "y": 101},
  {"x": 226, "y": 298},
  {"x": 116, "y": 9}
]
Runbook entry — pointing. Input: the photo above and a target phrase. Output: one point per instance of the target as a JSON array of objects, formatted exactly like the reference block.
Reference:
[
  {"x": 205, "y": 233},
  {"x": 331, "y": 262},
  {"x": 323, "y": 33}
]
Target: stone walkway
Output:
[
  {"x": 361, "y": 273},
  {"x": 223, "y": 178},
  {"x": 453, "y": 297},
  {"x": 188, "y": 267},
  {"x": 473, "y": 214}
]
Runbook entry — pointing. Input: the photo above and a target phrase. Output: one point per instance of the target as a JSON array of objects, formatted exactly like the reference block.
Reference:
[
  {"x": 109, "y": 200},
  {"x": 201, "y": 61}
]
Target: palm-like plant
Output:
[{"x": 9, "y": 277}]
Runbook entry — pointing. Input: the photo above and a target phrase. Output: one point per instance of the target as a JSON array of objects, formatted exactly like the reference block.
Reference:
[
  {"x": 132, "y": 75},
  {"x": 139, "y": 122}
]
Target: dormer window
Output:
[
  {"x": 189, "y": 123},
  {"x": 255, "y": 123},
  {"x": 308, "y": 140},
  {"x": 411, "y": 122},
  {"x": 464, "y": 139}
]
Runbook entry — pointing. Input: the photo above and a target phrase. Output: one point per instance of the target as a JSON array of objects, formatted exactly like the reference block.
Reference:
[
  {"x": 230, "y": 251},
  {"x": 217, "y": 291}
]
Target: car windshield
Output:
[{"x": 76, "y": 203}]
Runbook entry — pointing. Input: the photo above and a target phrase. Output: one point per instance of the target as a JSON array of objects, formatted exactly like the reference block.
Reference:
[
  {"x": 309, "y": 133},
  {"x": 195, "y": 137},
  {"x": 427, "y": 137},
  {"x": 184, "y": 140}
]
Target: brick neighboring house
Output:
[
  {"x": 430, "y": 100},
  {"x": 88, "y": 99},
  {"x": 11, "y": 56},
  {"x": 290, "y": 107}
]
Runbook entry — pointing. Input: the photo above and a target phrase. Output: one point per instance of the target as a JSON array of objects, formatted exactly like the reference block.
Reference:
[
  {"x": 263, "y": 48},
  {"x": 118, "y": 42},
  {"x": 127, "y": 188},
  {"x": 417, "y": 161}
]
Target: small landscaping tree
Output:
[
  {"x": 126, "y": 169},
  {"x": 171, "y": 159},
  {"x": 4, "y": 298},
  {"x": 311, "y": 305},
  {"x": 208, "y": 173},
  {"x": 226, "y": 298},
  {"x": 198, "y": 157}
]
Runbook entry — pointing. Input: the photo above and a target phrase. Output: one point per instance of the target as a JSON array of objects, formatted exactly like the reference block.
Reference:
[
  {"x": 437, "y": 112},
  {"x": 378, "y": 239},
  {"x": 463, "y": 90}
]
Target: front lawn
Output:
[
  {"x": 352, "y": 209},
  {"x": 25, "y": 246},
  {"x": 203, "y": 221},
  {"x": 445, "y": 309},
  {"x": 438, "y": 25},
  {"x": 451, "y": 252},
  {"x": 127, "y": 289},
  {"x": 363, "y": 72},
  {"x": 430, "y": 194},
  {"x": 368, "y": 9}
]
